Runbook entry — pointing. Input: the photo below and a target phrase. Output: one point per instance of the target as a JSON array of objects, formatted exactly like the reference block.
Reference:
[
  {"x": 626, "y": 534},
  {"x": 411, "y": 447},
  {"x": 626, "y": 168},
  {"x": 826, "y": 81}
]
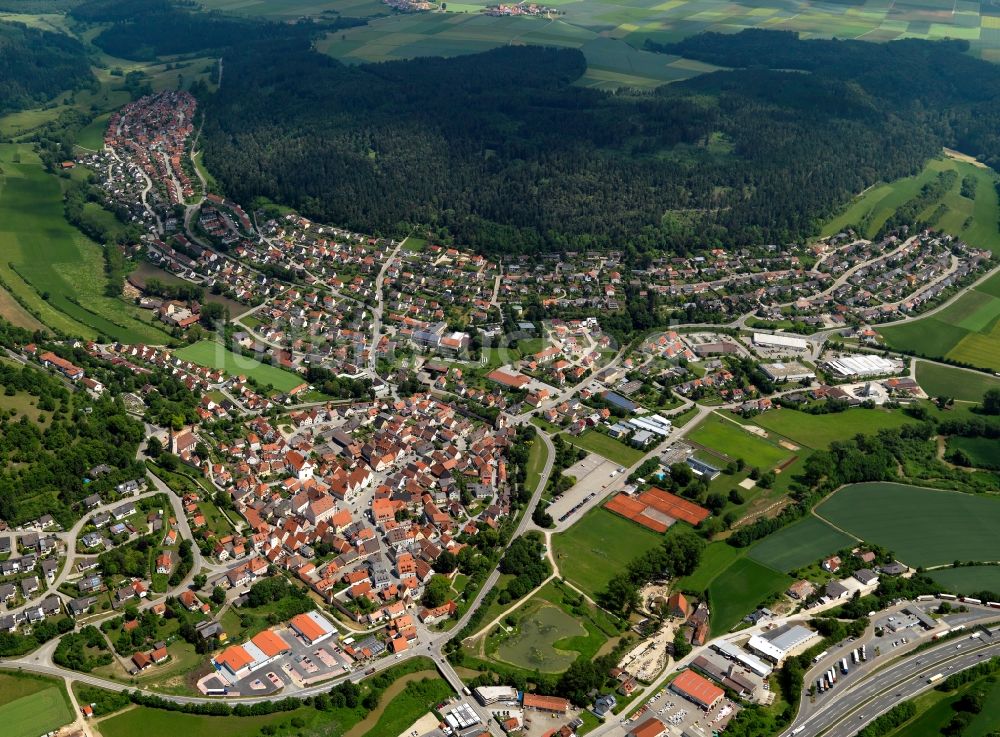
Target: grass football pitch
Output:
[
  {"x": 605, "y": 446},
  {"x": 923, "y": 527},
  {"x": 729, "y": 438},
  {"x": 598, "y": 547}
]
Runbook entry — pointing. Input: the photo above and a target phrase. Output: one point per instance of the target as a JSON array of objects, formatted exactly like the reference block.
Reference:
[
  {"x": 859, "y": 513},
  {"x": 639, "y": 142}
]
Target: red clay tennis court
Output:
[
  {"x": 656, "y": 509},
  {"x": 674, "y": 506}
]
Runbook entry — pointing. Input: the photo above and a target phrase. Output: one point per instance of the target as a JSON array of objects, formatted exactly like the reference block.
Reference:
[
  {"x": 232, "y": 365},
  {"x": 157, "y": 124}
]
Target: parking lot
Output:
[
  {"x": 679, "y": 713},
  {"x": 305, "y": 664},
  {"x": 593, "y": 474}
]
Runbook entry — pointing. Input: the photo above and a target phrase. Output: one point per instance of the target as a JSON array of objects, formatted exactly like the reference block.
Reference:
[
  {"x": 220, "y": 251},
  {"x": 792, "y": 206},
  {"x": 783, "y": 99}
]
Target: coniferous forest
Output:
[
  {"x": 37, "y": 65},
  {"x": 501, "y": 151}
]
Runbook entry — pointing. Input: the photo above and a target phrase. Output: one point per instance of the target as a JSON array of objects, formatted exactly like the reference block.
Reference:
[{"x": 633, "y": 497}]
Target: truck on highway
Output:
[
  {"x": 935, "y": 678},
  {"x": 799, "y": 730}
]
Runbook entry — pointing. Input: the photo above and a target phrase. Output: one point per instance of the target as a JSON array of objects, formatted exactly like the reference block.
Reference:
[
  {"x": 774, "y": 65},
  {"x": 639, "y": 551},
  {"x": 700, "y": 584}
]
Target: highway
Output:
[{"x": 850, "y": 710}]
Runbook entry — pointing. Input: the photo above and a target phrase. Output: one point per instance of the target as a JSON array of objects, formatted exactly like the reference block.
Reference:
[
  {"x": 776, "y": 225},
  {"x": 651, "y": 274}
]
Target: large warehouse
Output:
[
  {"x": 780, "y": 341},
  {"x": 697, "y": 689},
  {"x": 312, "y": 627},
  {"x": 792, "y": 371},
  {"x": 857, "y": 367},
  {"x": 237, "y": 661},
  {"x": 777, "y": 644}
]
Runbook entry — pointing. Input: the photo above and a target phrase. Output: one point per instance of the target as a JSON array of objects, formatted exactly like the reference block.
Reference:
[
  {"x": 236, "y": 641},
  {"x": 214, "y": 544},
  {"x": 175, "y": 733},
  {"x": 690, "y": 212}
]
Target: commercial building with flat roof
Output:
[
  {"x": 790, "y": 371},
  {"x": 487, "y": 695},
  {"x": 852, "y": 367},
  {"x": 751, "y": 662},
  {"x": 780, "y": 341},
  {"x": 778, "y": 643},
  {"x": 697, "y": 689}
]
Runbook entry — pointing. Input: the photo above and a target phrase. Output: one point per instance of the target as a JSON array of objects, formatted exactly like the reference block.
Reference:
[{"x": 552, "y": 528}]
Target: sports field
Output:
[
  {"x": 533, "y": 646},
  {"x": 56, "y": 270},
  {"x": 799, "y": 544},
  {"x": 967, "y": 330},
  {"x": 215, "y": 355},
  {"x": 35, "y": 713},
  {"x": 969, "y": 579},
  {"x": 984, "y": 452},
  {"x": 738, "y": 589},
  {"x": 598, "y": 547},
  {"x": 731, "y": 439},
  {"x": 938, "y": 380},
  {"x": 606, "y": 446},
  {"x": 818, "y": 431},
  {"x": 973, "y": 220},
  {"x": 923, "y": 527}
]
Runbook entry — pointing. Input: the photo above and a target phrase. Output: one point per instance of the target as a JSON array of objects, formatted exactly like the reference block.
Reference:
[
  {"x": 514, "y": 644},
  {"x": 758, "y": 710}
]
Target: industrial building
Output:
[
  {"x": 855, "y": 367},
  {"x": 778, "y": 643},
  {"x": 751, "y": 662},
  {"x": 697, "y": 689},
  {"x": 767, "y": 340},
  {"x": 487, "y": 695},
  {"x": 237, "y": 661},
  {"x": 791, "y": 371},
  {"x": 312, "y": 627},
  {"x": 462, "y": 717}
]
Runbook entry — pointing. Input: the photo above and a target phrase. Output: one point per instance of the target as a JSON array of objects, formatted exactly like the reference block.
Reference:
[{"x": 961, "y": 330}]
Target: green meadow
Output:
[
  {"x": 938, "y": 380},
  {"x": 967, "y": 330},
  {"x": 972, "y": 220},
  {"x": 50, "y": 265},
  {"x": 215, "y": 355},
  {"x": 923, "y": 527}
]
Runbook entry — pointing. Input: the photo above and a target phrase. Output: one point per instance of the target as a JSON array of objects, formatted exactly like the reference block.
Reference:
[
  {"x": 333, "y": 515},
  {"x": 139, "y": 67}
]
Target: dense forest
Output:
[
  {"x": 501, "y": 151},
  {"x": 36, "y": 65},
  {"x": 147, "y": 29}
]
